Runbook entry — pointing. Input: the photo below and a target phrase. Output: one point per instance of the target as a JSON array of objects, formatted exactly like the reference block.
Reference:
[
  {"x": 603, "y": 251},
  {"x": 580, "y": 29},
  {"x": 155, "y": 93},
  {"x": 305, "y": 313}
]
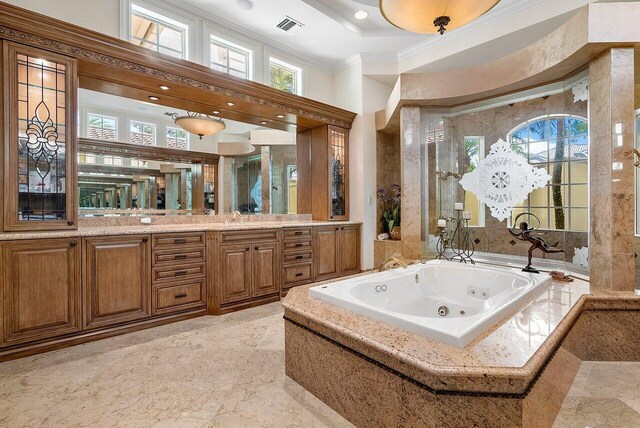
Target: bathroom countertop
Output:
[
  {"x": 506, "y": 359},
  {"x": 166, "y": 228}
]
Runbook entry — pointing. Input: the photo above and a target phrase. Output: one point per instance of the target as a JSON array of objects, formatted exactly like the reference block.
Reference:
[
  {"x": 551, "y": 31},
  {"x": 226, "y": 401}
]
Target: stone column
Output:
[
  {"x": 410, "y": 181},
  {"x": 611, "y": 102}
]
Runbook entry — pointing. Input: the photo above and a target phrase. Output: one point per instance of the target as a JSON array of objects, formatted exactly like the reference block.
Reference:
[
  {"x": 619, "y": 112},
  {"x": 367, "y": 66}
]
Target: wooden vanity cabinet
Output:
[
  {"x": 323, "y": 173},
  {"x": 249, "y": 266},
  {"x": 41, "y": 289},
  {"x": 39, "y": 189},
  {"x": 336, "y": 251},
  {"x": 117, "y": 280}
]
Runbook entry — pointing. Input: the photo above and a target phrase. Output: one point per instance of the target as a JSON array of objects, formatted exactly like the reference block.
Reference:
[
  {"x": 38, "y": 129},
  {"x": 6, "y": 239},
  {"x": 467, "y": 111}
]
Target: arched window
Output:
[{"x": 560, "y": 144}]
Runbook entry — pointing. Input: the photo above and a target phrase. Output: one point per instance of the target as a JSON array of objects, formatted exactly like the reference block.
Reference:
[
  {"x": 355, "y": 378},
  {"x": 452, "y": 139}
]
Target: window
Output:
[
  {"x": 143, "y": 133},
  {"x": 474, "y": 152},
  {"x": 559, "y": 144},
  {"x": 86, "y": 158},
  {"x": 158, "y": 33},
  {"x": 285, "y": 77},
  {"x": 230, "y": 58},
  {"x": 138, "y": 163},
  {"x": 102, "y": 127},
  {"x": 112, "y": 160},
  {"x": 177, "y": 138}
]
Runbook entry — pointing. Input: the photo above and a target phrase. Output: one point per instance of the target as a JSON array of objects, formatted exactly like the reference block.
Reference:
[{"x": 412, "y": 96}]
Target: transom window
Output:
[
  {"x": 177, "y": 138},
  {"x": 285, "y": 77},
  {"x": 158, "y": 33},
  {"x": 143, "y": 133},
  {"x": 230, "y": 58},
  {"x": 102, "y": 127},
  {"x": 559, "y": 144}
]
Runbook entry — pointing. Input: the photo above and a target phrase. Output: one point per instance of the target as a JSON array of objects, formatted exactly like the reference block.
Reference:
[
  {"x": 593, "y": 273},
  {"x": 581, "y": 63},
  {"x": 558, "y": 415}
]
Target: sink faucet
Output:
[{"x": 236, "y": 214}]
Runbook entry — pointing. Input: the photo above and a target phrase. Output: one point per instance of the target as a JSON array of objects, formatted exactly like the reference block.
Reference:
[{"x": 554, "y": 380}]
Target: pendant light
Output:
[
  {"x": 433, "y": 16},
  {"x": 198, "y": 124}
]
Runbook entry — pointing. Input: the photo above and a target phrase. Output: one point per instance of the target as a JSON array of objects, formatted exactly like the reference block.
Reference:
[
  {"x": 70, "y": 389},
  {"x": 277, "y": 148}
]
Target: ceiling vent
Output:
[{"x": 289, "y": 24}]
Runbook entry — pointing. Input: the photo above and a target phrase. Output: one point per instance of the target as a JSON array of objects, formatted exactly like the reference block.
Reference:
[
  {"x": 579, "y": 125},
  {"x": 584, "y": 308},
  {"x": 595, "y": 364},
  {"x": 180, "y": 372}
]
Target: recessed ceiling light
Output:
[
  {"x": 361, "y": 14},
  {"x": 244, "y": 4},
  {"x": 154, "y": 98},
  {"x": 280, "y": 116},
  {"x": 263, "y": 122},
  {"x": 231, "y": 104},
  {"x": 164, "y": 87},
  {"x": 216, "y": 112}
]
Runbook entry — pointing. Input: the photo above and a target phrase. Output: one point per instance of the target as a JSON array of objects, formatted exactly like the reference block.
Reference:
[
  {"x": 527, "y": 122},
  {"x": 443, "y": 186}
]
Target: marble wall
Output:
[
  {"x": 493, "y": 124},
  {"x": 611, "y": 105},
  {"x": 410, "y": 149}
]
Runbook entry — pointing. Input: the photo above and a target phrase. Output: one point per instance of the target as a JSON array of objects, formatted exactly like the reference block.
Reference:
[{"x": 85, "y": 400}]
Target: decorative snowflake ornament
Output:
[
  {"x": 503, "y": 179},
  {"x": 581, "y": 257}
]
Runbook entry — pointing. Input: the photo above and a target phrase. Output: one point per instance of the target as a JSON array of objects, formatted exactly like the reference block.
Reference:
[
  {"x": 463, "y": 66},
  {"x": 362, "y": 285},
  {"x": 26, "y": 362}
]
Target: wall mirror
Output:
[
  {"x": 133, "y": 159},
  {"x": 548, "y": 127}
]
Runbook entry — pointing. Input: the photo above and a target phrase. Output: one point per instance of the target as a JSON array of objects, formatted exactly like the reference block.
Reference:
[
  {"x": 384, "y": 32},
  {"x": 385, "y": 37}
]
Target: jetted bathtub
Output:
[{"x": 450, "y": 302}]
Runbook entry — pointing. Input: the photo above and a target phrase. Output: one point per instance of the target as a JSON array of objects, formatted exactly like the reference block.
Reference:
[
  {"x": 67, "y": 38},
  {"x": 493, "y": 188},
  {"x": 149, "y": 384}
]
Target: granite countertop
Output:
[
  {"x": 506, "y": 359},
  {"x": 166, "y": 228}
]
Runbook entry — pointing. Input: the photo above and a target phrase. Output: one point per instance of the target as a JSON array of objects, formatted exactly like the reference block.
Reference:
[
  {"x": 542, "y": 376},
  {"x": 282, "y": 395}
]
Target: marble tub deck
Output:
[
  {"x": 517, "y": 373},
  {"x": 226, "y": 371}
]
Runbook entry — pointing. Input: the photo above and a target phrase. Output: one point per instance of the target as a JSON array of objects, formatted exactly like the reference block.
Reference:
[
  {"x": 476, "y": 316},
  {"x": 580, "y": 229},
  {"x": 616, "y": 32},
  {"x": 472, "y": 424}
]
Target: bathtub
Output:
[{"x": 450, "y": 302}]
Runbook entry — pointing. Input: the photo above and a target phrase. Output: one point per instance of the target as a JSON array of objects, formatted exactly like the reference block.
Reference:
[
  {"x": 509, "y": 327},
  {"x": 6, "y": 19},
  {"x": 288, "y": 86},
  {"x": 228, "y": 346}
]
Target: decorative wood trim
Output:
[
  {"x": 102, "y": 147},
  {"x": 34, "y": 29}
]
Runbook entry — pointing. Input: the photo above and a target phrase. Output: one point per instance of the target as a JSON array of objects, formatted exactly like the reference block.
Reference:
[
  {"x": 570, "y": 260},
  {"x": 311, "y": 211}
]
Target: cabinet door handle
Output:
[
  {"x": 180, "y": 241},
  {"x": 256, "y": 248},
  {"x": 246, "y": 249},
  {"x": 298, "y": 233},
  {"x": 180, "y": 295},
  {"x": 299, "y": 274},
  {"x": 180, "y": 256},
  {"x": 299, "y": 245},
  {"x": 181, "y": 272},
  {"x": 70, "y": 223},
  {"x": 73, "y": 243},
  {"x": 145, "y": 239},
  {"x": 299, "y": 257}
]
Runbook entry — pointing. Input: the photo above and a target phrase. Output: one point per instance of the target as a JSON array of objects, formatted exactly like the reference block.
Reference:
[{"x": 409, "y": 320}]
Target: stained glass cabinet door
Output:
[
  {"x": 39, "y": 139},
  {"x": 338, "y": 173}
]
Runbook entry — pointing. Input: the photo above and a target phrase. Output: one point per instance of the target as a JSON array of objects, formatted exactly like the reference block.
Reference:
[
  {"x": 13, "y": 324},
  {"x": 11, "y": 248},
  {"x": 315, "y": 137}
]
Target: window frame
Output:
[
  {"x": 177, "y": 128},
  {"x": 547, "y": 164},
  {"x": 297, "y": 70},
  {"x": 90, "y": 113},
  {"x": 130, "y": 133},
  {"x": 481, "y": 156},
  {"x": 229, "y": 45}
]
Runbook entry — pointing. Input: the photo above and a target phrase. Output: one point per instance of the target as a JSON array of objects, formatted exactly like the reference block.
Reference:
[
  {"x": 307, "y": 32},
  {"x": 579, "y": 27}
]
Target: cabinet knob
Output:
[
  {"x": 145, "y": 239},
  {"x": 70, "y": 223},
  {"x": 246, "y": 249},
  {"x": 256, "y": 248},
  {"x": 73, "y": 243}
]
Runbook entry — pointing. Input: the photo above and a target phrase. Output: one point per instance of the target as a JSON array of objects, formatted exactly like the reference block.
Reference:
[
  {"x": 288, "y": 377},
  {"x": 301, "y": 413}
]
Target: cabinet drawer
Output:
[
  {"x": 297, "y": 246},
  {"x": 297, "y": 233},
  {"x": 239, "y": 236},
  {"x": 171, "y": 273},
  {"x": 297, "y": 258},
  {"x": 178, "y": 297},
  {"x": 172, "y": 257},
  {"x": 170, "y": 241},
  {"x": 298, "y": 274}
]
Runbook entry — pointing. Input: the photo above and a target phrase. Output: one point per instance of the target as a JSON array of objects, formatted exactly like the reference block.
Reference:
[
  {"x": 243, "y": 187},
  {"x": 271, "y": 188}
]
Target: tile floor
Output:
[{"x": 229, "y": 372}]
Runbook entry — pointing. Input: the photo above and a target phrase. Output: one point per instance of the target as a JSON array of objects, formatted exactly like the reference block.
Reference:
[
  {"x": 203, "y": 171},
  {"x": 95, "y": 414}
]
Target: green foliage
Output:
[
  {"x": 390, "y": 206},
  {"x": 282, "y": 79}
]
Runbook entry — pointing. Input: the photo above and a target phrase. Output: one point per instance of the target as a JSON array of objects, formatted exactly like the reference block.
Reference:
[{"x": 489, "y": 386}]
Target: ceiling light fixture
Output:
[
  {"x": 280, "y": 116},
  {"x": 263, "y": 122},
  {"x": 231, "y": 104},
  {"x": 216, "y": 112},
  {"x": 361, "y": 14},
  {"x": 198, "y": 124},
  {"x": 416, "y": 15},
  {"x": 154, "y": 98},
  {"x": 164, "y": 87},
  {"x": 245, "y": 4}
]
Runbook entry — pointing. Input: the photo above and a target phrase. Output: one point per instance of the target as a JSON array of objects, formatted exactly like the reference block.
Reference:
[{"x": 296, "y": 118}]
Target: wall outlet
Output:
[{"x": 145, "y": 220}]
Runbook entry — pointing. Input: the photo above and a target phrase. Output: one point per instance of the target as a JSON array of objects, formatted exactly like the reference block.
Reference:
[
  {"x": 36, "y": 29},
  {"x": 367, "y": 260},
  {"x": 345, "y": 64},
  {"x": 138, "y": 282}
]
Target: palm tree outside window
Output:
[{"x": 559, "y": 144}]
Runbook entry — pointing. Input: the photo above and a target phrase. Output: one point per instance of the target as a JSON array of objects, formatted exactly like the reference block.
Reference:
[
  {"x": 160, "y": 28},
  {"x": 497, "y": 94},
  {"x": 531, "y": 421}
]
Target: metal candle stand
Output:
[{"x": 462, "y": 236}]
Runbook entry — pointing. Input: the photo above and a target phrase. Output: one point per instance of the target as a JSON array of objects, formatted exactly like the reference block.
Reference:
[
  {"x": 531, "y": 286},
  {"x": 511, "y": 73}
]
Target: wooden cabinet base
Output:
[{"x": 91, "y": 335}]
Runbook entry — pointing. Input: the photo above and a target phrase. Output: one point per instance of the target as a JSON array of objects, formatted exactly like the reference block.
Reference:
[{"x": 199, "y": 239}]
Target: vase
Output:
[{"x": 396, "y": 233}]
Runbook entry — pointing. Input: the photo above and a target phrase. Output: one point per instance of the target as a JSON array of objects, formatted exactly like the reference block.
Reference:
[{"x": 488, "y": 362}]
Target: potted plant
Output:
[{"x": 391, "y": 210}]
